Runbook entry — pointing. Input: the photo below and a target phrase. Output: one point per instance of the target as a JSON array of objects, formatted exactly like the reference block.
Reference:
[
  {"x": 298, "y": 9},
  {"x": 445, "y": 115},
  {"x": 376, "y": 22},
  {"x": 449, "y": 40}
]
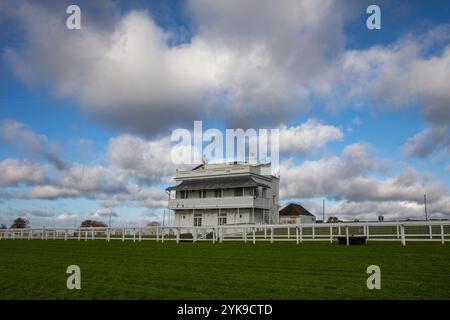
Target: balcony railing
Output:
[{"x": 224, "y": 202}]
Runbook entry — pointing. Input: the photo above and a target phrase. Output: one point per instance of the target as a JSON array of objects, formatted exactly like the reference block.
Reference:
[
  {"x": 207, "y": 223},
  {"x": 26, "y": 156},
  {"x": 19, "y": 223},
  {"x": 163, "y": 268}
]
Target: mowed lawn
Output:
[{"x": 148, "y": 270}]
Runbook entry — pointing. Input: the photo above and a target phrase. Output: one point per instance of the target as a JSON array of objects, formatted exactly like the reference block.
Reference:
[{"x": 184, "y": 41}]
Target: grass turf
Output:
[{"x": 148, "y": 270}]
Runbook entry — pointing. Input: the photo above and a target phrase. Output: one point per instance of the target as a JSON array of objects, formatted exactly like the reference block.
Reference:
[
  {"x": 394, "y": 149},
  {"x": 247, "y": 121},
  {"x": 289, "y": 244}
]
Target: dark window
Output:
[
  {"x": 217, "y": 193},
  {"x": 238, "y": 192}
]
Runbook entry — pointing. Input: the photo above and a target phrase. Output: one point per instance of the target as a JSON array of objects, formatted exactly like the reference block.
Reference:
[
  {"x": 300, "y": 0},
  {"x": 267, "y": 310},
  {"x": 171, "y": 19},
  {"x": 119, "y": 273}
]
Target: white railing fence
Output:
[{"x": 403, "y": 232}]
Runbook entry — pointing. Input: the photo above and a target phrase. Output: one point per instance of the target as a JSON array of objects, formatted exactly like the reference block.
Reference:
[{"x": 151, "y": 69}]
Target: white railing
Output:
[
  {"x": 403, "y": 232},
  {"x": 222, "y": 202}
]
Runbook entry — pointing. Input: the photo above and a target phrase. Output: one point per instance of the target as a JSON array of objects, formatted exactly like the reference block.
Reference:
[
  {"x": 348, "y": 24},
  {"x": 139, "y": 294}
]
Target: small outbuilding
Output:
[{"x": 294, "y": 213}]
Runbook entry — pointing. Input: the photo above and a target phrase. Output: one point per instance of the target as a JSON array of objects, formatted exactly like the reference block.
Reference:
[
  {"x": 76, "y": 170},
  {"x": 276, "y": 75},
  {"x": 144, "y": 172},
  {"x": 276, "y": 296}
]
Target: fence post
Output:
[
  {"x": 313, "y": 232},
  {"x": 346, "y": 235},
  {"x": 178, "y": 235},
  {"x": 289, "y": 232},
  {"x": 271, "y": 234},
  {"x": 108, "y": 234},
  {"x": 157, "y": 234},
  {"x": 134, "y": 235},
  {"x": 244, "y": 234},
  {"x": 300, "y": 229},
  {"x": 221, "y": 235},
  {"x": 79, "y": 234},
  {"x": 162, "y": 235},
  {"x": 442, "y": 234},
  {"x": 92, "y": 234},
  {"x": 254, "y": 238},
  {"x": 265, "y": 232},
  {"x": 402, "y": 230},
  {"x": 368, "y": 232},
  {"x": 123, "y": 234},
  {"x": 85, "y": 235},
  {"x": 214, "y": 235},
  {"x": 296, "y": 234},
  {"x": 398, "y": 232},
  {"x": 430, "y": 230},
  {"x": 331, "y": 234},
  {"x": 65, "y": 235}
]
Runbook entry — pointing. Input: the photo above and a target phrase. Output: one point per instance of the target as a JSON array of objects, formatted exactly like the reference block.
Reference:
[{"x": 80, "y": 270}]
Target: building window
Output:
[
  {"x": 184, "y": 194},
  {"x": 218, "y": 193},
  {"x": 238, "y": 192},
  {"x": 202, "y": 193},
  {"x": 222, "y": 219},
  {"x": 197, "y": 220},
  {"x": 264, "y": 192}
]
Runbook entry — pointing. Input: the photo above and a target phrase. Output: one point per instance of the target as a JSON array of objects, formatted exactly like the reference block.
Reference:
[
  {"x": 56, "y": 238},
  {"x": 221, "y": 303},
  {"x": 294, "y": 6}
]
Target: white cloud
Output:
[
  {"x": 307, "y": 137},
  {"x": 15, "y": 171}
]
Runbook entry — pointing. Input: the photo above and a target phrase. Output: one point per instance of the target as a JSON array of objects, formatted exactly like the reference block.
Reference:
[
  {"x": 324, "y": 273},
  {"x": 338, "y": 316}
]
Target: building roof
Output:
[
  {"x": 218, "y": 183},
  {"x": 294, "y": 209}
]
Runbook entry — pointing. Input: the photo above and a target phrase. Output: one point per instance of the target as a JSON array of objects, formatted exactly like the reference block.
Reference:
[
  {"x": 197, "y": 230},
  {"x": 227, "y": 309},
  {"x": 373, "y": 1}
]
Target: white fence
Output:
[{"x": 403, "y": 232}]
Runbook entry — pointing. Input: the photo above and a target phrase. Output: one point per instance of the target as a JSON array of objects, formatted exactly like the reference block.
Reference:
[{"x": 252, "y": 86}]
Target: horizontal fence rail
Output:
[{"x": 437, "y": 231}]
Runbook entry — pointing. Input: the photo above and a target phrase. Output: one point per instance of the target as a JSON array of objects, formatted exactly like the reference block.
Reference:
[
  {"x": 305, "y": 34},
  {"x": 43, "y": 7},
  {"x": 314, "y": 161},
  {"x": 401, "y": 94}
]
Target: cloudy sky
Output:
[{"x": 86, "y": 115}]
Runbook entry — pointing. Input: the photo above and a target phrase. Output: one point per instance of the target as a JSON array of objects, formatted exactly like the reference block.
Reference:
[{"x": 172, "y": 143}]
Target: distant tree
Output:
[
  {"x": 2, "y": 226},
  {"x": 92, "y": 223},
  {"x": 333, "y": 220},
  {"x": 20, "y": 223},
  {"x": 153, "y": 224}
]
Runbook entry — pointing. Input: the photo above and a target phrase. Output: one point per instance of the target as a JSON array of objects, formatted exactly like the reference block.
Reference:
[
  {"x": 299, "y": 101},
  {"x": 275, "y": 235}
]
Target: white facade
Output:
[{"x": 228, "y": 193}]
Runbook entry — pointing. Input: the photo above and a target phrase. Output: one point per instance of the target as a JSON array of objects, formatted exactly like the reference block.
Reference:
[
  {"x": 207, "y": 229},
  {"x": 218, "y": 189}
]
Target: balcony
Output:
[{"x": 224, "y": 202}]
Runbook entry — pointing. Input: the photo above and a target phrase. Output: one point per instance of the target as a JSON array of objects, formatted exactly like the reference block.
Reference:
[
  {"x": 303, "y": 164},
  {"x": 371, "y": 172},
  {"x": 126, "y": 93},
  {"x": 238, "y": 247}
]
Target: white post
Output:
[
  {"x": 254, "y": 238},
  {"x": 65, "y": 235},
  {"x": 430, "y": 230},
  {"x": 296, "y": 234},
  {"x": 214, "y": 235},
  {"x": 346, "y": 235},
  {"x": 398, "y": 232},
  {"x": 271, "y": 234},
  {"x": 313, "y": 232},
  {"x": 339, "y": 229},
  {"x": 368, "y": 232},
  {"x": 21, "y": 234},
  {"x": 245, "y": 234},
  {"x": 221, "y": 235},
  {"x": 123, "y": 234},
  {"x": 162, "y": 235},
  {"x": 195, "y": 235},
  {"x": 108, "y": 234},
  {"x": 331, "y": 234},
  {"x": 265, "y": 232},
  {"x": 157, "y": 234},
  {"x": 289, "y": 232},
  {"x": 402, "y": 230},
  {"x": 92, "y": 234},
  {"x": 85, "y": 235},
  {"x": 79, "y": 234},
  {"x": 300, "y": 229},
  {"x": 442, "y": 234},
  {"x": 134, "y": 235},
  {"x": 178, "y": 235}
]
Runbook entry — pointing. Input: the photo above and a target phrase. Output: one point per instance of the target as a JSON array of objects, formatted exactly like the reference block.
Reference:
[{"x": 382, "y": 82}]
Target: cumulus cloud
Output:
[
  {"x": 307, "y": 137},
  {"x": 354, "y": 177},
  {"x": 432, "y": 139},
  {"x": 15, "y": 171},
  {"x": 243, "y": 58}
]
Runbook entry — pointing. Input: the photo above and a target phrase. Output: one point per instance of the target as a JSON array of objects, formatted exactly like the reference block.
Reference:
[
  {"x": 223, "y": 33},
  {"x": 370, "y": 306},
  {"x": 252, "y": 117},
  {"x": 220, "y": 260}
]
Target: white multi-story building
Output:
[{"x": 226, "y": 193}]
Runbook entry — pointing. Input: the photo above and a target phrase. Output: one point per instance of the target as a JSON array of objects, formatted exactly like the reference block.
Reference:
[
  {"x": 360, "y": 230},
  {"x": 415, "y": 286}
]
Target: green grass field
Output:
[{"x": 149, "y": 270}]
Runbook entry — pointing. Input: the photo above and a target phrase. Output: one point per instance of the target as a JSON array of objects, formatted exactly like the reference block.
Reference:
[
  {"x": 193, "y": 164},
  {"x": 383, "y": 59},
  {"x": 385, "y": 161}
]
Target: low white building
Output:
[
  {"x": 294, "y": 213},
  {"x": 225, "y": 194}
]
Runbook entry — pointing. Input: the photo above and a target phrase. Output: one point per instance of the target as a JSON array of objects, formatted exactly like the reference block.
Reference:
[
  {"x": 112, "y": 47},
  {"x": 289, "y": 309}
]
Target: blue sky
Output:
[{"x": 365, "y": 112}]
